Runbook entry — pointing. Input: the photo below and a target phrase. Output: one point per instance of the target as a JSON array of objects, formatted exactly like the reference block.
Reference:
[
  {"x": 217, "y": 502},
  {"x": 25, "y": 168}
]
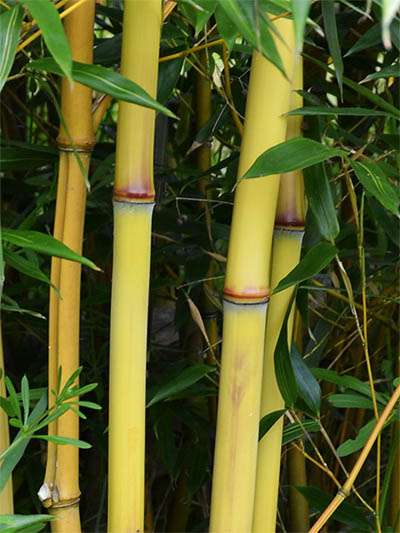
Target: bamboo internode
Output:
[
  {"x": 289, "y": 229},
  {"x": 133, "y": 206},
  {"x": 60, "y": 491},
  {"x": 246, "y": 294}
]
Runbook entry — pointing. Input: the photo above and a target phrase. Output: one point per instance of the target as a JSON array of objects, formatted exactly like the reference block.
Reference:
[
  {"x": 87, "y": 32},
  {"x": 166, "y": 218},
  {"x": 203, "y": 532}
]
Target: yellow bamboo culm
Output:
[
  {"x": 6, "y": 495},
  {"x": 60, "y": 491},
  {"x": 289, "y": 229},
  {"x": 245, "y": 297},
  {"x": 133, "y": 206}
]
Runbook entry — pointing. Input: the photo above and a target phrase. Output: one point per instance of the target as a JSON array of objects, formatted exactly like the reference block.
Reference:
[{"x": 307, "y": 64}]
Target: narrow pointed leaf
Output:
[
  {"x": 284, "y": 373},
  {"x": 254, "y": 27},
  {"x": 307, "y": 385},
  {"x": 300, "y": 9},
  {"x": 268, "y": 421},
  {"x": 106, "y": 81},
  {"x": 10, "y": 27},
  {"x": 376, "y": 183},
  {"x": 64, "y": 441},
  {"x": 25, "y": 397},
  {"x": 295, "y": 431},
  {"x": 312, "y": 263},
  {"x": 294, "y": 154},
  {"x": 353, "y": 445},
  {"x": 386, "y": 72},
  {"x": 24, "y": 266},
  {"x": 328, "y": 13},
  {"x": 340, "y": 111},
  {"x": 45, "y": 244},
  {"x": 48, "y": 20},
  {"x": 321, "y": 202},
  {"x": 185, "y": 379}
]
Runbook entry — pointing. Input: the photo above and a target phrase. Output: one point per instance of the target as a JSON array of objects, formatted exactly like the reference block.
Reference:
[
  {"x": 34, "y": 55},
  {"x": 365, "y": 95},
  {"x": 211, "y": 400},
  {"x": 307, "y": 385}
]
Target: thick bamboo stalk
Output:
[
  {"x": 61, "y": 489},
  {"x": 289, "y": 228},
  {"x": 245, "y": 298},
  {"x": 133, "y": 206},
  {"x": 6, "y": 495}
]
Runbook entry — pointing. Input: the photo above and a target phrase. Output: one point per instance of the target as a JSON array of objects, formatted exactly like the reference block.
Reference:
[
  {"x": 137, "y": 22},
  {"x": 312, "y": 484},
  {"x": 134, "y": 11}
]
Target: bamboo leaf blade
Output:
[
  {"x": 45, "y": 244},
  {"x": 385, "y": 72},
  {"x": 23, "y": 523},
  {"x": 48, "y": 20},
  {"x": 64, "y": 441},
  {"x": 284, "y": 372},
  {"x": 308, "y": 387},
  {"x": 185, "y": 379},
  {"x": 254, "y": 27},
  {"x": 312, "y": 263},
  {"x": 106, "y": 81},
  {"x": 10, "y": 27},
  {"x": 321, "y": 202},
  {"x": 329, "y": 16},
  {"x": 340, "y": 111},
  {"x": 300, "y": 9},
  {"x": 376, "y": 183},
  {"x": 268, "y": 421},
  {"x": 295, "y": 154},
  {"x": 29, "y": 268},
  {"x": 353, "y": 445}
]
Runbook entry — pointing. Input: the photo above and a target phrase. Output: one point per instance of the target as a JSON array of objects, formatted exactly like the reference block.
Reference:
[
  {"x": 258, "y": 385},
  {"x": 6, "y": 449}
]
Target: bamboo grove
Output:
[{"x": 199, "y": 266}]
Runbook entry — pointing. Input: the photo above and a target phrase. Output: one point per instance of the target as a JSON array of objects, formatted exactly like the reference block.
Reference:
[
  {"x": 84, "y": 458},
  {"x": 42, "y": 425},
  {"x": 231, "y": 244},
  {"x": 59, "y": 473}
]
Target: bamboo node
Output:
[
  {"x": 85, "y": 148},
  {"x": 133, "y": 197},
  {"x": 72, "y": 502},
  {"x": 249, "y": 297},
  {"x": 343, "y": 493}
]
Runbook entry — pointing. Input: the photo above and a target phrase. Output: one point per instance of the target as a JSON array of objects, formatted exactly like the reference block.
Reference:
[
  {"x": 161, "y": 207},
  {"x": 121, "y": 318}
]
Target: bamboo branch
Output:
[{"x": 344, "y": 491}]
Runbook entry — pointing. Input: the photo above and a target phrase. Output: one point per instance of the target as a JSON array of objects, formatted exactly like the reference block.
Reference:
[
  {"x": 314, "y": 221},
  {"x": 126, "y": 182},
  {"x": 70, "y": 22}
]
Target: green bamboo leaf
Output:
[
  {"x": 25, "y": 395},
  {"x": 15, "y": 523},
  {"x": 353, "y": 401},
  {"x": 348, "y": 514},
  {"x": 312, "y": 263},
  {"x": 284, "y": 372},
  {"x": 226, "y": 28},
  {"x": 360, "y": 89},
  {"x": 340, "y": 111},
  {"x": 254, "y": 27},
  {"x": 48, "y": 20},
  {"x": 353, "y": 445},
  {"x": 106, "y": 81},
  {"x": 385, "y": 72},
  {"x": 20, "y": 156},
  {"x": 268, "y": 421},
  {"x": 14, "y": 260},
  {"x": 7, "y": 407},
  {"x": 64, "y": 441},
  {"x": 348, "y": 382},
  {"x": 368, "y": 39},
  {"x": 10, "y": 27},
  {"x": 328, "y": 13},
  {"x": 307, "y": 385},
  {"x": 17, "y": 450},
  {"x": 300, "y": 9},
  {"x": 389, "y": 11},
  {"x": 12, "y": 397},
  {"x": 45, "y": 244},
  {"x": 185, "y": 379},
  {"x": 376, "y": 183},
  {"x": 198, "y": 12},
  {"x": 321, "y": 202},
  {"x": 295, "y": 431},
  {"x": 294, "y": 154}
]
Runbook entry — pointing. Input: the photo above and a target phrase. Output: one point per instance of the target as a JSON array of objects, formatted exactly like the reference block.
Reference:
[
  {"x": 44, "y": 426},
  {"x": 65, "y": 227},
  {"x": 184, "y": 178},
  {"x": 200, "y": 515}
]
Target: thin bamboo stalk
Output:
[
  {"x": 60, "y": 492},
  {"x": 344, "y": 491},
  {"x": 53, "y": 321},
  {"x": 6, "y": 495},
  {"x": 299, "y": 511},
  {"x": 245, "y": 298},
  {"x": 133, "y": 206},
  {"x": 289, "y": 229}
]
